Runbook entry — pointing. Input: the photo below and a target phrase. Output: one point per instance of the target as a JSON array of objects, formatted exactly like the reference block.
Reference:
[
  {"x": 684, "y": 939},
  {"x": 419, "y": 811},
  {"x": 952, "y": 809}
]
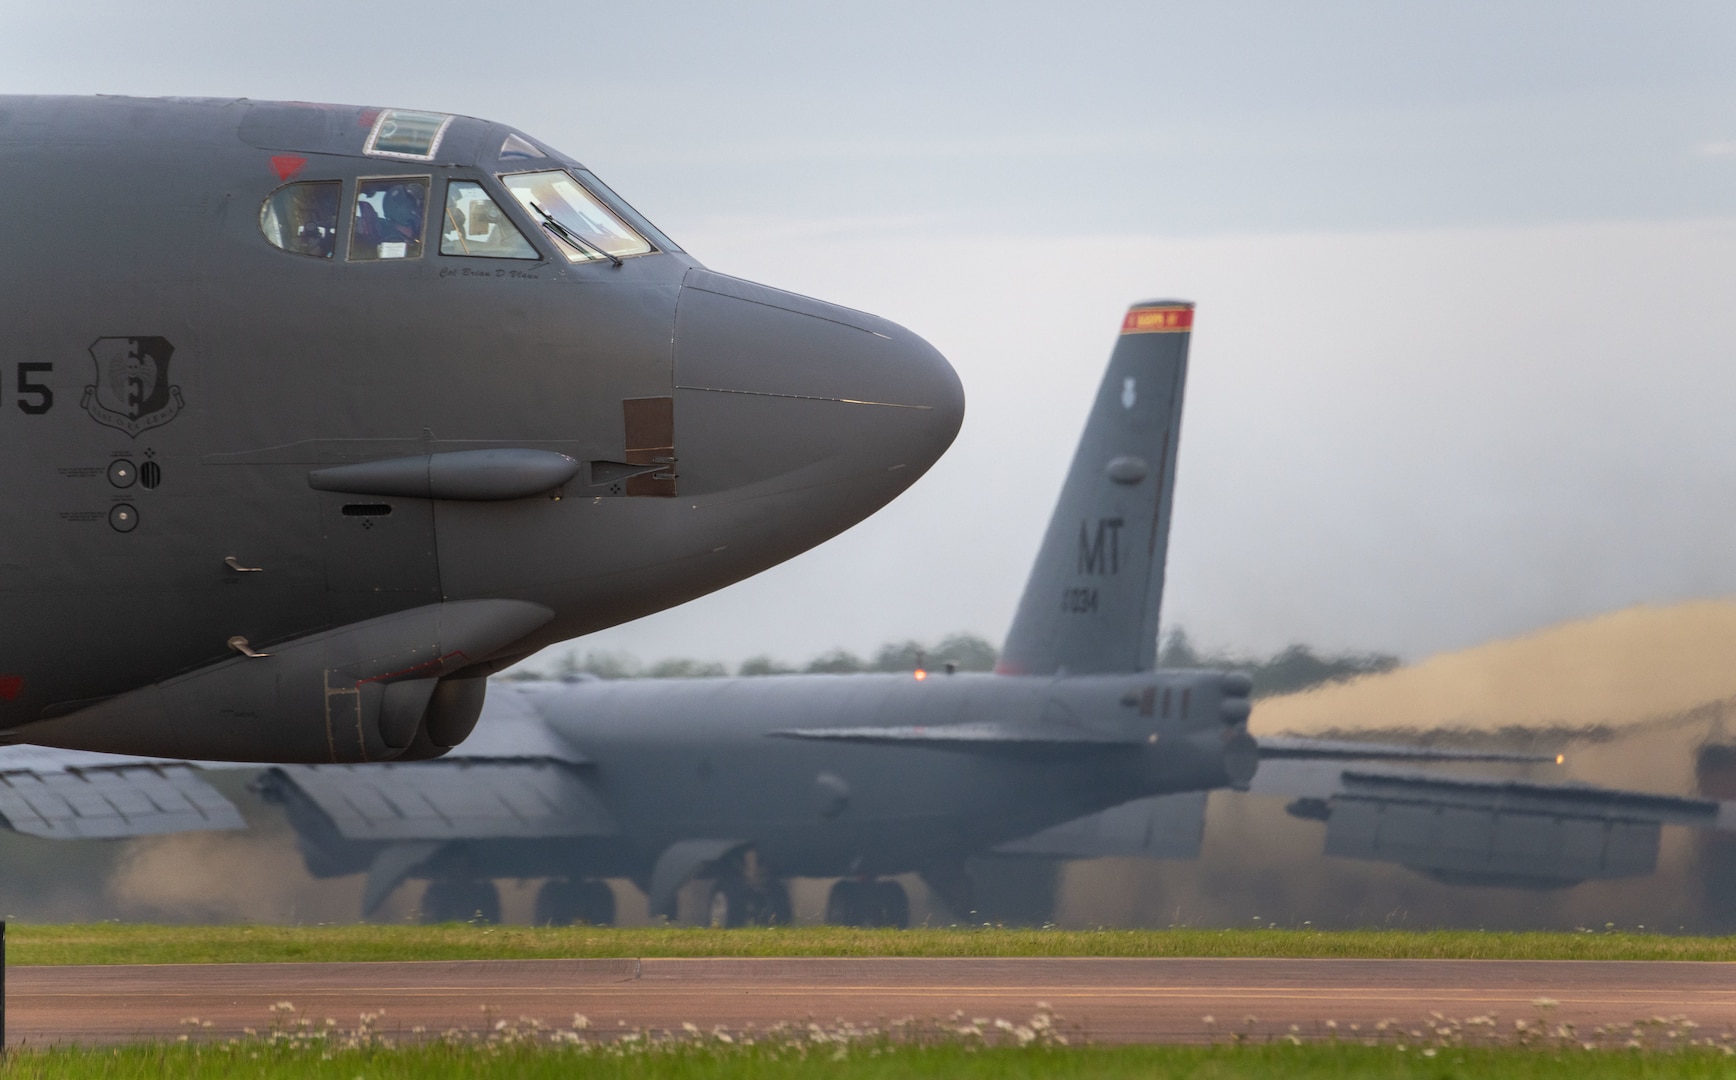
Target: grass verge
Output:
[
  {"x": 164, "y": 1062},
  {"x": 116, "y": 943}
]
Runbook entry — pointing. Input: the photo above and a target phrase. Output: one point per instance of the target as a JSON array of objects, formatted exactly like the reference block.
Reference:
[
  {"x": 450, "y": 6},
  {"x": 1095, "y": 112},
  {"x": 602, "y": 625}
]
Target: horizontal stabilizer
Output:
[
  {"x": 447, "y": 800},
  {"x": 112, "y": 801},
  {"x": 981, "y": 737},
  {"x": 1482, "y": 831},
  {"x": 1348, "y": 750},
  {"x": 1582, "y": 799}
]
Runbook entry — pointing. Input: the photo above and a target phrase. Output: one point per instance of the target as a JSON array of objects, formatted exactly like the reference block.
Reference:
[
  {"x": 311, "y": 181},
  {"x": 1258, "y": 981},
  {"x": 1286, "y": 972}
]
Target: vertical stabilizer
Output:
[{"x": 1091, "y": 603}]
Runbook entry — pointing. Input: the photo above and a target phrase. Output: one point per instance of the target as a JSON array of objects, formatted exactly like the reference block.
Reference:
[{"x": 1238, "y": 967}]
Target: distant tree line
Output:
[{"x": 1295, "y": 668}]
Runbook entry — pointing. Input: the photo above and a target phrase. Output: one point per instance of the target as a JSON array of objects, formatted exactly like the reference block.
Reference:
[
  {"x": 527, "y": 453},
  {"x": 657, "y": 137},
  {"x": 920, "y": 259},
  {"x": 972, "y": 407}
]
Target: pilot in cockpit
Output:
[
  {"x": 402, "y": 220},
  {"x": 389, "y": 218}
]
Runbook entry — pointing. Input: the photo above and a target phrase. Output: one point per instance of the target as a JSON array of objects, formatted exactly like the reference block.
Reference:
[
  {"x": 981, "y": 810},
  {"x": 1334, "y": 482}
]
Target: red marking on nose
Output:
[
  {"x": 287, "y": 165},
  {"x": 11, "y": 686}
]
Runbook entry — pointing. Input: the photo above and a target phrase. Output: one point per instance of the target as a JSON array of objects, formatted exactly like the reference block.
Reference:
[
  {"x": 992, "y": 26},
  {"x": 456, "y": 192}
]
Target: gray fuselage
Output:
[
  {"x": 677, "y": 760},
  {"x": 156, "y": 513}
]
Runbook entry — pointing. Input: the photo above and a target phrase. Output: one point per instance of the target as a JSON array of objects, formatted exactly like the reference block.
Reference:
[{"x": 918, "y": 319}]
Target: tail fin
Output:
[{"x": 1091, "y": 603}]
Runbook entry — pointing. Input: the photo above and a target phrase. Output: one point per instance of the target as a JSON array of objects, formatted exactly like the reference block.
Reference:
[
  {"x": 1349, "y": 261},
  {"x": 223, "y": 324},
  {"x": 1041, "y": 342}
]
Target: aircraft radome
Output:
[{"x": 314, "y": 416}]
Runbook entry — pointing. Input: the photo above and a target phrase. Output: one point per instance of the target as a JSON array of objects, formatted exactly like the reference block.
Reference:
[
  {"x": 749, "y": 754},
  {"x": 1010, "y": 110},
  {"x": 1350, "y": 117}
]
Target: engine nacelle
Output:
[{"x": 370, "y": 691}]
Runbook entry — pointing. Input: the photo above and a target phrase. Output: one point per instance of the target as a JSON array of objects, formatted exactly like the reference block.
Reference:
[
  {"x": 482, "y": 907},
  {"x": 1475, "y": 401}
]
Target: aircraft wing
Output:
[
  {"x": 445, "y": 799},
  {"x": 980, "y": 737},
  {"x": 511, "y": 729},
  {"x": 77, "y": 795},
  {"x": 512, "y": 778},
  {"x": 1479, "y": 830}
]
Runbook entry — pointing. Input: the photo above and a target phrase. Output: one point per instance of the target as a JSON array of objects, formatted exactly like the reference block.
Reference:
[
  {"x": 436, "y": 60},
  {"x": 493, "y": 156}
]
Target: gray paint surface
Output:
[
  {"x": 874, "y": 774},
  {"x": 274, "y": 505},
  {"x": 860, "y": 776}
]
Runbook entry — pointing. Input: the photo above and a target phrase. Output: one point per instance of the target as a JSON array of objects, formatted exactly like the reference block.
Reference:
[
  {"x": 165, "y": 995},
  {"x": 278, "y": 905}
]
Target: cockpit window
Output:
[
  {"x": 519, "y": 148},
  {"x": 622, "y": 210},
  {"x": 586, "y": 228},
  {"x": 401, "y": 133},
  {"x": 303, "y": 218},
  {"x": 389, "y": 216},
  {"x": 475, "y": 226}
]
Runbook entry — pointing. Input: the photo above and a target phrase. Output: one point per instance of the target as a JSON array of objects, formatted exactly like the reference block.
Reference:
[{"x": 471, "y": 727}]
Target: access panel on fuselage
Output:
[{"x": 379, "y": 555}]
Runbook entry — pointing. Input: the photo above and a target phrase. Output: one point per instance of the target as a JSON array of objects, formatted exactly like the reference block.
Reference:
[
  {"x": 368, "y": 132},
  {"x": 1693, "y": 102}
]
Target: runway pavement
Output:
[{"x": 1106, "y": 1000}]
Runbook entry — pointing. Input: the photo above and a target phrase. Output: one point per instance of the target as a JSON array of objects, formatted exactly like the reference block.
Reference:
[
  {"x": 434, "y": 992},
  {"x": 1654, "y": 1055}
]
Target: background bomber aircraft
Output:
[
  {"x": 316, "y": 415},
  {"x": 746, "y": 782},
  {"x": 749, "y": 781}
]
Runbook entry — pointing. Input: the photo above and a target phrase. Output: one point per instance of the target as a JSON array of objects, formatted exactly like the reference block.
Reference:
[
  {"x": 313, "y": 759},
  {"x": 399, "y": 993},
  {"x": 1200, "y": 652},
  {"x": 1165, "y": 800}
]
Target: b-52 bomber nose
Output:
[
  {"x": 389, "y": 400},
  {"x": 792, "y": 403}
]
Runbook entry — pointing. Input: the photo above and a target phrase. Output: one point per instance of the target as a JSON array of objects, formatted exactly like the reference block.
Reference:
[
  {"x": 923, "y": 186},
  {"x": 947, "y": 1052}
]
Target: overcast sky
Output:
[{"x": 1466, "y": 351}]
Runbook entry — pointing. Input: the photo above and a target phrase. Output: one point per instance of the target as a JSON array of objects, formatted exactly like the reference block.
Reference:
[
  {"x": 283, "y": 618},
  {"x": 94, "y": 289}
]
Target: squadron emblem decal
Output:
[{"x": 132, "y": 391}]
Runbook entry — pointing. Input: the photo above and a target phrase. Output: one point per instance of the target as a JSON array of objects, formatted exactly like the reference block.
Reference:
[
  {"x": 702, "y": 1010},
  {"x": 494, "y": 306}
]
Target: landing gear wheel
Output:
[
  {"x": 456, "y": 900},
  {"x": 774, "y": 905},
  {"x": 556, "y": 903},
  {"x": 596, "y": 903},
  {"x": 563, "y": 902},
  {"x": 845, "y": 904},
  {"x": 729, "y": 903},
  {"x": 891, "y": 905},
  {"x": 868, "y": 903},
  {"x": 734, "y": 902}
]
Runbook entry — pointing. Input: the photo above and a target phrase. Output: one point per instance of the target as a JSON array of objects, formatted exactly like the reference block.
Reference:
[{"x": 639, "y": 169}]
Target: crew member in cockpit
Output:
[{"x": 401, "y": 221}]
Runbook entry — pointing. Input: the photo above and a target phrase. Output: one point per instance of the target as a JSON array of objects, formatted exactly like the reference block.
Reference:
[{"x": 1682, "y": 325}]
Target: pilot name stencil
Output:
[{"x": 132, "y": 391}]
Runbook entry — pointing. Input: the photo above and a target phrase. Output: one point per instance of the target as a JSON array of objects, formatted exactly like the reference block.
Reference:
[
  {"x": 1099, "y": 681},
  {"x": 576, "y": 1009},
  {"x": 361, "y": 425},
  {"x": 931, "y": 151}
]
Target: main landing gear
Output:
[
  {"x": 746, "y": 893},
  {"x": 560, "y": 902},
  {"x": 737, "y": 901},
  {"x": 460, "y": 900},
  {"x": 563, "y": 902},
  {"x": 880, "y": 902}
]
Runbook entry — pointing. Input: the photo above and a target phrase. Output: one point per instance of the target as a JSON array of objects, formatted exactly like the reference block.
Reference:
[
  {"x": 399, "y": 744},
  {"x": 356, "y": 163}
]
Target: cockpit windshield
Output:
[
  {"x": 475, "y": 226},
  {"x": 586, "y": 228}
]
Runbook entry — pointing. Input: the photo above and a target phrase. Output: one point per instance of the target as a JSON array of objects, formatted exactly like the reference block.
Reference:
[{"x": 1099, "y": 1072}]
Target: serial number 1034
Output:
[{"x": 1078, "y": 601}]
